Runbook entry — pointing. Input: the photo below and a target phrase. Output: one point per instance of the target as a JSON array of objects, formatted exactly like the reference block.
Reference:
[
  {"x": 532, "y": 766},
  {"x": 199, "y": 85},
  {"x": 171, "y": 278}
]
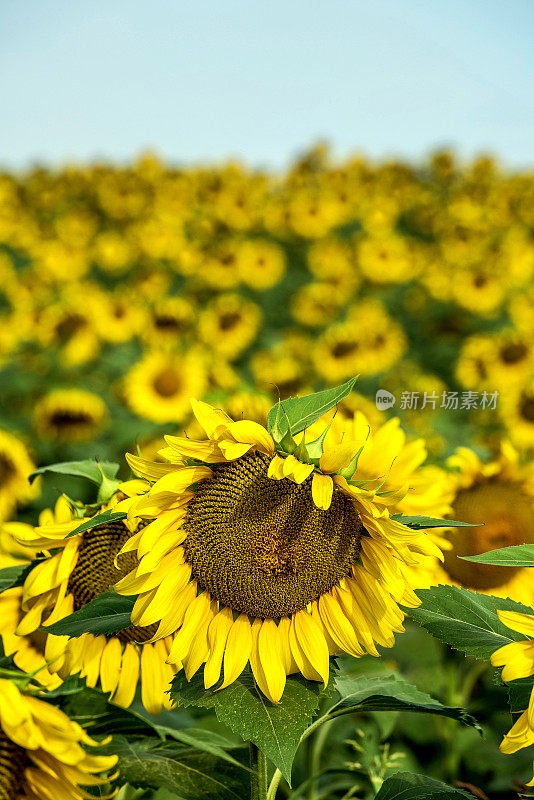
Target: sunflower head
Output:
[{"x": 266, "y": 546}]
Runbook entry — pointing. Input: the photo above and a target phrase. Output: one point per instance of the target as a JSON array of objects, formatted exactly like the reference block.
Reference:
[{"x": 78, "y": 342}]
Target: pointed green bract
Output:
[
  {"x": 13, "y": 576},
  {"x": 420, "y": 523},
  {"x": 520, "y": 555},
  {"x": 297, "y": 413},
  {"x": 108, "y": 613},
  {"x": 99, "y": 519},
  {"x": 91, "y": 469}
]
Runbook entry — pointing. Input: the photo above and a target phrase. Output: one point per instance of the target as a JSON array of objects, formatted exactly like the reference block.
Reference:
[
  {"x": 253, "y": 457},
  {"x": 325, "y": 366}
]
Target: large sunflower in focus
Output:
[
  {"x": 74, "y": 571},
  {"x": 499, "y": 496},
  {"x": 42, "y": 751},
  {"x": 254, "y": 555}
]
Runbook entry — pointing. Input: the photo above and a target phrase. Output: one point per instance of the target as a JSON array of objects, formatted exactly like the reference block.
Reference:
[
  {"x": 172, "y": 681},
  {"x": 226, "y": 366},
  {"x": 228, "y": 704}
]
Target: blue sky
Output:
[{"x": 203, "y": 81}]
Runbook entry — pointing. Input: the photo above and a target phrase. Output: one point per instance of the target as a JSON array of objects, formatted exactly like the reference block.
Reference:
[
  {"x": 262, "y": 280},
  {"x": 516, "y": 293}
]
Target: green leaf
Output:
[
  {"x": 297, "y": 413},
  {"x": 107, "y": 613},
  {"x": 408, "y": 786},
  {"x": 466, "y": 620},
  {"x": 13, "y": 576},
  {"x": 190, "y": 774},
  {"x": 91, "y": 469},
  {"x": 520, "y": 555},
  {"x": 392, "y": 693},
  {"x": 98, "y": 519},
  {"x": 519, "y": 692},
  {"x": 275, "y": 729},
  {"x": 420, "y": 523}
]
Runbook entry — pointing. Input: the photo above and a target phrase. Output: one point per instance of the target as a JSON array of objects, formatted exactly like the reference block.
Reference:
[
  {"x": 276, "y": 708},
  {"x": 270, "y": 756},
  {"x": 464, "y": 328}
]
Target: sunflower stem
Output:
[{"x": 258, "y": 773}]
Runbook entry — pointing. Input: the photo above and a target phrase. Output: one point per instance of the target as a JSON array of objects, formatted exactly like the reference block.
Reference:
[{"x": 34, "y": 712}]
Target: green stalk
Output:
[{"x": 258, "y": 773}]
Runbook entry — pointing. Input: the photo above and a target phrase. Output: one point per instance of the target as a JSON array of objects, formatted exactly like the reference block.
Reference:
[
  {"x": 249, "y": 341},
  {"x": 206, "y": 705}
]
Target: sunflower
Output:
[
  {"x": 169, "y": 320},
  {"x": 42, "y": 751},
  {"x": 70, "y": 415},
  {"x": 15, "y": 467},
  {"x": 498, "y": 497},
  {"x": 517, "y": 658},
  {"x": 516, "y": 408},
  {"x": 368, "y": 342},
  {"x": 386, "y": 259},
  {"x": 253, "y": 555},
  {"x": 229, "y": 324},
  {"x": 158, "y": 387},
  {"x": 261, "y": 264},
  {"x": 74, "y": 571}
]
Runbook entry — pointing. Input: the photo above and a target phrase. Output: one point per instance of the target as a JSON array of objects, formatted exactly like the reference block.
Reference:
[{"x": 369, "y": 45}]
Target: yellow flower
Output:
[
  {"x": 499, "y": 496},
  {"x": 252, "y": 555},
  {"x": 15, "y": 467},
  {"x": 158, "y": 387},
  {"x": 369, "y": 342},
  {"x": 386, "y": 259},
  {"x": 169, "y": 321},
  {"x": 261, "y": 264},
  {"x": 229, "y": 324},
  {"x": 74, "y": 571},
  {"x": 516, "y": 407},
  {"x": 69, "y": 415},
  {"x": 43, "y": 752},
  {"x": 517, "y": 658}
]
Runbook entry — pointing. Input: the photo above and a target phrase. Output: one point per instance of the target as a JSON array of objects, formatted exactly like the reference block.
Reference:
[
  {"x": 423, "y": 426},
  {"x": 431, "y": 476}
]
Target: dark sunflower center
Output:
[
  {"x": 261, "y": 546},
  {"x": 6, "y": 469},
  {"x": 229, "y": 321},
  {"x": 13, "y": 760},
  {"x": 343, "y": 349},
  {"x": 95, "y": 571},
  {"x": 166, "y": 323},
  {"x": 527, "y": 409},
  {"x": 167, "y": 383},
  {"x": 70, "y": 419},
  {"x": 70, "y": 325},
  {"x": 507, "y": 515},
  {"x": 512, "y": 353}
]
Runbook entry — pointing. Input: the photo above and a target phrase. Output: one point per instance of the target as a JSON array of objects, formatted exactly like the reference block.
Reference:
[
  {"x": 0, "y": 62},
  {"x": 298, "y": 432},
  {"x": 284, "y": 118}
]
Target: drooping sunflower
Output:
[
  {"x": 69, "y": 415},
  {"x": 74, "y": 571},
  {"x": 42, "y": 751},
  {"x": 253, "y": 555},
  {"x": 498, "y": 497},
  {"x": 159, "y": 385},
  {"x": 15, "y": 466}
]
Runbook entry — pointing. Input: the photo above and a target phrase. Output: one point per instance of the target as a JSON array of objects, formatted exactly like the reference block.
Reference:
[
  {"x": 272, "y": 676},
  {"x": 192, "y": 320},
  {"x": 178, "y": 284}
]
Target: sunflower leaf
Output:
[
  {"x": 466, "y": 620},
  {"x": 297, "y": 413},
  {"x": 420, "y": 523},
  {"x": 391, "y": 693},
  {"x": 109, "y": 612},
  {"x": 14, "y": 575},
  {"x": 99, "y": 519},
  {"x": 275, "y": 729},
  {"x": 187, "y": 772},
  {"x": 520, "y": 555},
  {"x": 406, "y": 785}
]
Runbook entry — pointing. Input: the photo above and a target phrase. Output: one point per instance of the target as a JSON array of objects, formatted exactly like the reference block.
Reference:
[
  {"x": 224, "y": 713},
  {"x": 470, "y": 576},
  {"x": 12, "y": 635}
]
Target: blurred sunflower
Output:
[
  {"x": 168, "y": 321},
  {"x": 367, "y": 343},
  {"x": 498, "y": 497},
  {"x": 315, "y": 304},
  {"x": 516, "y": 408},
  {"x": 15, "y": 467},
  {"x": 474, "y": 362},
  {"x": 42, "y": 751},
  {"x": 74, "y": 571},
  {"x": 68, "y": 325},
  {"x": 261, "y": 264},
  {"x": 386, "y": 259},
  {"x": 229, "y": 324},
  {"x": 316, "y": 563},
  {"x": 159, "y": 386},
  {"x": 332, "y": 262},
  {"x": 479, "y": 289},
  {"x": 69, "y": 415}
]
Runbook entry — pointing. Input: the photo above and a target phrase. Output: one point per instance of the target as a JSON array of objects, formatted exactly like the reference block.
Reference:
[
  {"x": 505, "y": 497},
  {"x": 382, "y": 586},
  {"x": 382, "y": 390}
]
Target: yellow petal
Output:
[
  {"x": 128, "y": 678},
  {"x": 252, "y": 433},
  {"x": 270, "y": 657},
  {"x": 312, "y": 643},
  {"x": 294, "y": 469},
  {"x": 338, "y": 456},
  {"x": 217, "y": 635},
  {"x": 523, "y": 623},
  {"x": 276, "y": 469},
  {"x": 322, "y": 490},
  {"x": 209, "y": 418},
  {"x": 237, "y": 651},
  {"x": 110, "y": 665}
]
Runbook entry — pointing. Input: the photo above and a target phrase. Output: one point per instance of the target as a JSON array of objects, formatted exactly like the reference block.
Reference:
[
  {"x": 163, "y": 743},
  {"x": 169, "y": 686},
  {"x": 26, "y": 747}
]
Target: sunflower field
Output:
[{"x": 266, "y": 481}]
